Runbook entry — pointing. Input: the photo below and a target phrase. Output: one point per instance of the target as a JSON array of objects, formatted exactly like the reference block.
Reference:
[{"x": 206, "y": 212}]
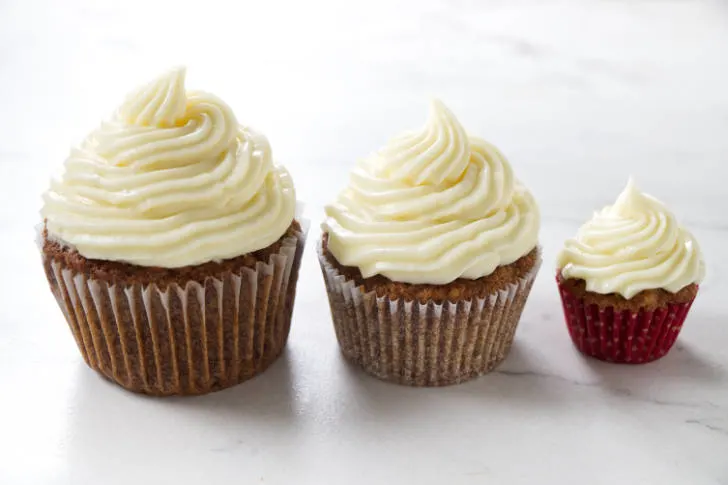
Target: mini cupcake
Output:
[
  {"x": 171, "y": 246},
  {"x": 429, "y": 255},
  {"x": 628, "y": 279}
]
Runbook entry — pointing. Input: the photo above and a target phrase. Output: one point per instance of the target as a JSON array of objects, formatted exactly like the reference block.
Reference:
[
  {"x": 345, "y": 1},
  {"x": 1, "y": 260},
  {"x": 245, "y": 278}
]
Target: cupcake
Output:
[
  {"x": 171, "y": 245},
  {"x": 429, "y": 255},
  {"x": 628, "y": 279}
]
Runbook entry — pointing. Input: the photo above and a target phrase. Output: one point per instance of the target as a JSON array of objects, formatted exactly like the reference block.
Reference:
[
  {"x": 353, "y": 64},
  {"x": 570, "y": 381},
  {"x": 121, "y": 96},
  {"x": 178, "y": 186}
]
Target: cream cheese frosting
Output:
[
  {"x": 171, "y": 180},
  {"x": 634, "y": 245},
  {"x": 432, "y": 206}
]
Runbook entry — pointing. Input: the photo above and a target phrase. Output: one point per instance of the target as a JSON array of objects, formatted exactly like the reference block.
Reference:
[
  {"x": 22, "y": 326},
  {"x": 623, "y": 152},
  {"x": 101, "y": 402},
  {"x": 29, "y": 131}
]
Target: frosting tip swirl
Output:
[
  {"x": 629, "y": 199},
  {"x": 159, "y": 102}
]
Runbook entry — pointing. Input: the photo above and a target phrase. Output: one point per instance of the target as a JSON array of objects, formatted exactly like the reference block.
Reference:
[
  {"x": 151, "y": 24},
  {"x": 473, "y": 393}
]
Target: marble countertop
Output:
[{"x": 579, "y": 95}]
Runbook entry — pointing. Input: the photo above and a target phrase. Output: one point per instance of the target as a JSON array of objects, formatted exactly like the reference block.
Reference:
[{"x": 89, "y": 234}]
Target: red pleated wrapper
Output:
[{"x": 622, "y": 336}]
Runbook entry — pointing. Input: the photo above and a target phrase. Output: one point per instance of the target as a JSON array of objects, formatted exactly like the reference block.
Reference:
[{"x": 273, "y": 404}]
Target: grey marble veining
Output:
[{"x": 578, "y": 95}]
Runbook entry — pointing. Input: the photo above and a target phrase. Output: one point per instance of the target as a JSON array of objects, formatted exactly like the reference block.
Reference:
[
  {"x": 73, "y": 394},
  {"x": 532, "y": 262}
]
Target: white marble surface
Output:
[{"x": 578, "y": 94}]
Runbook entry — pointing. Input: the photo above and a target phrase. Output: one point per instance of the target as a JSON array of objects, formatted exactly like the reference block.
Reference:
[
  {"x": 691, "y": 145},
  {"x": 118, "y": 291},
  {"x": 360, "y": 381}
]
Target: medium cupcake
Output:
[
  {"x": 429, "y": 255},
  {"x": 628, "y": 279},
  {"x": 171, "y": 246}
]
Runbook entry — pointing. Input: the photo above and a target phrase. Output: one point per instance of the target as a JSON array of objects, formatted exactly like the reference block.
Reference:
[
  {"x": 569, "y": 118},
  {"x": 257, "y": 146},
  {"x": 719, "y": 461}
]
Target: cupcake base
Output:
[
  {"x": 612, "y": 329},
  {"x": 182, "y": 331},
  {"x": 425, "y": 342}
]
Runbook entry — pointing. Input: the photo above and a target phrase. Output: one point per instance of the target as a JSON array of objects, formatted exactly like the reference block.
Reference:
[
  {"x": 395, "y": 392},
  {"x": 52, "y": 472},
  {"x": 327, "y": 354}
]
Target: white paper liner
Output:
[
  {"x": 184, "y": 339},
  {"x": 424, "y": 344}
]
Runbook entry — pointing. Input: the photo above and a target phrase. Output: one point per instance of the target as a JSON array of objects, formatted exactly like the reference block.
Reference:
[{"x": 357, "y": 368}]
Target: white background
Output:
[{"x": 578, "y": 95}]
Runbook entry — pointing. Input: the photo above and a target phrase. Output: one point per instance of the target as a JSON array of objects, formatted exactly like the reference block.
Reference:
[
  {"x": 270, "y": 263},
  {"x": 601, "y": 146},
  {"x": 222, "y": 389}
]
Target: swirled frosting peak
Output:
[
  {"x": 170, "y": 180},
  {"x": 432, "y": 206},
  {"x": 634, "y": 245}
]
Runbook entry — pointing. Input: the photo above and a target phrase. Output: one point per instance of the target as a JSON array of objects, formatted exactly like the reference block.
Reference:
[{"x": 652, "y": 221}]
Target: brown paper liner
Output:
[
  {"x": 424, "y": 344},
  {"x": 187, "y": 339}
]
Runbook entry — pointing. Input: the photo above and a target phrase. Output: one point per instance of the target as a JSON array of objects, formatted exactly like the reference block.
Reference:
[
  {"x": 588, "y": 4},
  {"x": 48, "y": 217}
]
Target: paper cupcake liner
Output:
[
  {"x": 186, "y": 339},
  {"x": 423, "y": 344},
  {"x": 625, "y": 336}
]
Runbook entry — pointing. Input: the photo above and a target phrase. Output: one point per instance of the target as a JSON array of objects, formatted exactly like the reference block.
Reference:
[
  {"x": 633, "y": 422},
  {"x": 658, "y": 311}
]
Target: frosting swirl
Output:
[
  {"x": 171, "y": 180},
  {"x": 432, "y": 206},
  {"x": 634, "y": 245}
]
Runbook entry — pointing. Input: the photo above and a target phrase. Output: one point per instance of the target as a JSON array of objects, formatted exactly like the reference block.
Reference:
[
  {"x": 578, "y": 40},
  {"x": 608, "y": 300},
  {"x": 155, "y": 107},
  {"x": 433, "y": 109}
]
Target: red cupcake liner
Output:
[{"x": 624, "y": 337}]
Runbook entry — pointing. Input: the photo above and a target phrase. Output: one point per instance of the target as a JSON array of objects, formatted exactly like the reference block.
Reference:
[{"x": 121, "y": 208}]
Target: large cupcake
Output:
[
  {"x": 628, "y": 279},
  {"x": 171, "y": 246},
  {"x": 429, "y": 255}
]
